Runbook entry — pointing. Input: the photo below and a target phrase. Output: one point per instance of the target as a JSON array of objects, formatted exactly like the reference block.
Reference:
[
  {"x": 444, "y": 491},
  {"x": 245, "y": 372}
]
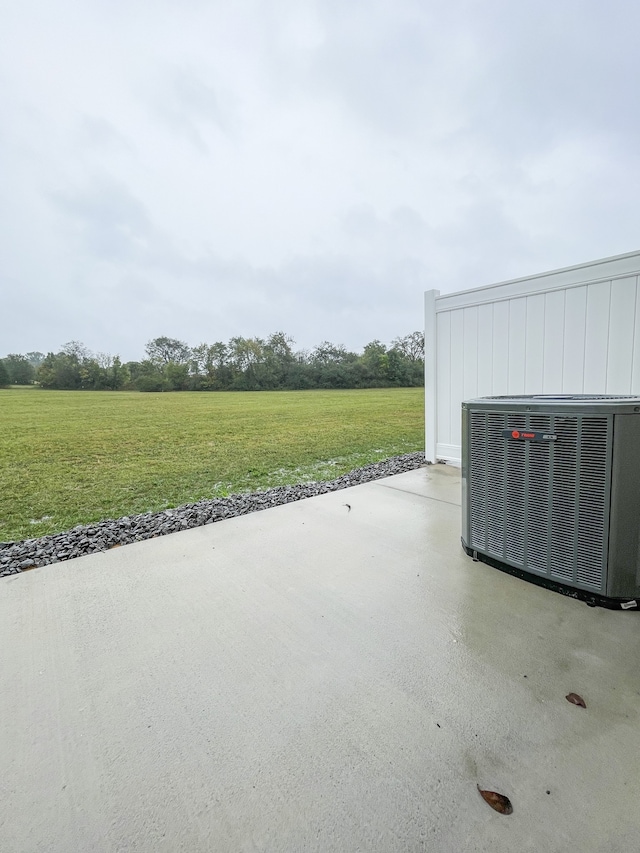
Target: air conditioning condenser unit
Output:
[{"x": 551, "y": 492}]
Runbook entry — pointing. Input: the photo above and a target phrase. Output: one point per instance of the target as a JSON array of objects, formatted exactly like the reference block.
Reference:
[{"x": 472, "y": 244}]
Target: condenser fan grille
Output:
[{"x": 542, "y": 506}]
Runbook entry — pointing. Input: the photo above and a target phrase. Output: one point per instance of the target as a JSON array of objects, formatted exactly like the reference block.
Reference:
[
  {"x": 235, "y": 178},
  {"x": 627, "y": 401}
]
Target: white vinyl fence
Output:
[{"x": 573, "y": 331}]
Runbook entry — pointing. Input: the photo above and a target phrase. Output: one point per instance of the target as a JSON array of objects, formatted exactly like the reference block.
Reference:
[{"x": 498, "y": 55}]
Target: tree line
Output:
[{"x": 242, "y": 364}]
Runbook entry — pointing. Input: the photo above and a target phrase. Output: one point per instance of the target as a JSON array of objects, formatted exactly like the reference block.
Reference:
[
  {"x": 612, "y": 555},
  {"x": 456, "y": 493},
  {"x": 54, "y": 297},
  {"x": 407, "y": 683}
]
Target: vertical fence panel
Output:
[
  {"x": 635, "y": 358},
  {"x": 470, "y": 353},
  {"x": 516, "y": 331},
  {"x": 596, "y": 337},
  {"x": 575, "y": 318},
  {"x": 443, "y": 378},
  {"x": 430, "y": 374},
  {"x": 485, "y": 350},
  {"x": 500, "y": 348},
  {"x": 553, "y": 342},
  {"x": 457, "y": 374},
  {"x": 534, "y": 353},
  {"x": 575, "y": 330},
  {"x": 620, "y": 344}
]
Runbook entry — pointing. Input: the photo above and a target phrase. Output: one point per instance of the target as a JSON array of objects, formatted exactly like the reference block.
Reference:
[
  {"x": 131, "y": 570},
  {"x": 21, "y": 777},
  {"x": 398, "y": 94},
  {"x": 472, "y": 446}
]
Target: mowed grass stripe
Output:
[{"x": 69, "y": 457}]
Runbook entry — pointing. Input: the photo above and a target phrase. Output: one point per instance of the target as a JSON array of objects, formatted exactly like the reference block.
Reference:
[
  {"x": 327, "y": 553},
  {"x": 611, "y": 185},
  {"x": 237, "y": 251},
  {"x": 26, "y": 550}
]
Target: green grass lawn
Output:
[{"x": 74, "y": 457}]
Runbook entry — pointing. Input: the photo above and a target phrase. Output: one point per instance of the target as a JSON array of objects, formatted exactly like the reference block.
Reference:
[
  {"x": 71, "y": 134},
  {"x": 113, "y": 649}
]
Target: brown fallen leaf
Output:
[
  {"x": 497, "y": 801},
  {"x": 576, "y": 700}
]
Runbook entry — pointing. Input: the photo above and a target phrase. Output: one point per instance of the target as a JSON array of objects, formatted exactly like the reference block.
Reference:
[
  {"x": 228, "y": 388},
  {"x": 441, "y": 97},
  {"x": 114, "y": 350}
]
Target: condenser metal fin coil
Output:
[{"x": 551, "y": 491}]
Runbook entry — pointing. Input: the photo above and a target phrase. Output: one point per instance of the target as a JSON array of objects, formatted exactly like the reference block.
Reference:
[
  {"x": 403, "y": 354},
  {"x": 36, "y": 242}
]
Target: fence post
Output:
[{"x": 430, "y": 374}]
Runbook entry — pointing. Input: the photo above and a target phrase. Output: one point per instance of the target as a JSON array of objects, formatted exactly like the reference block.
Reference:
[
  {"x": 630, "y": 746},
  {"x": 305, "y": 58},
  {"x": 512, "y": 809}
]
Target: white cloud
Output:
[{"x": 203, "y": 170}]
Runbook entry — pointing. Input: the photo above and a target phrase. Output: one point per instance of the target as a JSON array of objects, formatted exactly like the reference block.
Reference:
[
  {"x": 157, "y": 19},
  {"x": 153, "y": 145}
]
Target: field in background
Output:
[{"x": 74, "y": 457}]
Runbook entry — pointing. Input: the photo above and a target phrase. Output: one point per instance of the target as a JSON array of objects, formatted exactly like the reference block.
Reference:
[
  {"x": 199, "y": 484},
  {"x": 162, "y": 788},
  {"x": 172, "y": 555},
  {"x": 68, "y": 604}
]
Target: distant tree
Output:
[
  {"x": 328, "y": 353},
  {"x": 104, "y": 360},
  {"x": 73, "y": 368},
  {"x": 132, "y": 369},
  {"x": 242, "y": 364},
  {"x": 332, "y": 366},
  {"x": 177, "y": 376},
  {"x": 411, "y": 346},
  {"x": 93, "y": 377},
  {"x": 299, "y": 375},
  {"x": 245, "y": 352},
  {"x": 279, "y": 345},
  {"x": 278, "y": 359},
  {"x": 35, "y": 358},
  {"x": 167, "y": 351},
  {"x": 210, "y": 367},
  {"x": 171, "y": 360},
  {"x": 118, "y": 374},
  {"x": 219, "y": 368},
  {"x": 60, "y": 371},
  {"x": 405, "y": 370},
  {"x": 199, "y": 360},
  {"x": 76, "y": 350},
  {"x": 245, "y": 355},
  {"x": 4, "y": 376},
  {"x": 19, "y": 369},
  {"x": 147, "y": 382},
  {"x": 375, "y": 362},
  {"x": 402, "y": 371},
  {"x": 150, "y": 377}
]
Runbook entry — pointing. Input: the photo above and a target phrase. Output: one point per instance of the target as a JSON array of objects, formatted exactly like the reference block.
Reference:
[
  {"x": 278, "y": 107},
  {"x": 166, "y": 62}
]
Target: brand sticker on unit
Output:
[{"x": 525, "y": 435}]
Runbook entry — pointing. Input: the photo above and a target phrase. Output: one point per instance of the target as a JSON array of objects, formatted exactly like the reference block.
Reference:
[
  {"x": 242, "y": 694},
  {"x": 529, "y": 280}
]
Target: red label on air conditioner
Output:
[{"x": 522, "y": 435}]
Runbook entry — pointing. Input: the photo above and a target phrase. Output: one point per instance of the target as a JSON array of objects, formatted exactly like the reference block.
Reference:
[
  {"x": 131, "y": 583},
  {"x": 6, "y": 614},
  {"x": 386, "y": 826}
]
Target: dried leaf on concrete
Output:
[{"x": 497, "y": 801}]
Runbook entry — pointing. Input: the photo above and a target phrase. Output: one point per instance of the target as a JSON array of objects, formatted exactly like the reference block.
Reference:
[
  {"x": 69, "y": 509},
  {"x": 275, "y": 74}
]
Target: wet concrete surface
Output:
[{"x": 316, "y": 677}]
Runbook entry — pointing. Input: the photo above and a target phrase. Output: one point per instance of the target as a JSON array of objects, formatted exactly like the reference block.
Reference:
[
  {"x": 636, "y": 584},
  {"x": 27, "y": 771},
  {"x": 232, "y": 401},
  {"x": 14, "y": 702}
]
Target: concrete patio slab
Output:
[{"x": 329, "y": 675}]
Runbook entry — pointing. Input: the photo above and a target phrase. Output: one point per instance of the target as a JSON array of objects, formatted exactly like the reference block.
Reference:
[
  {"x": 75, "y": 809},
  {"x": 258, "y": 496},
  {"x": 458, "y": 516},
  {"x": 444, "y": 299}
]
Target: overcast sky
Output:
[{"x": 203, "y": 169}]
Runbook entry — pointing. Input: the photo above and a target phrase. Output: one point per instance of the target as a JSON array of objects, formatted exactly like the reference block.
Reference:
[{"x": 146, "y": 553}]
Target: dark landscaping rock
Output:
[{"x": 16, "y": 556}]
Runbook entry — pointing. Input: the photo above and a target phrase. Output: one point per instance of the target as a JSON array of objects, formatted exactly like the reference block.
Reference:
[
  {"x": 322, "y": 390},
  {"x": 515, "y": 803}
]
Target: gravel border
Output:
[{"x": 16, "y": 557}]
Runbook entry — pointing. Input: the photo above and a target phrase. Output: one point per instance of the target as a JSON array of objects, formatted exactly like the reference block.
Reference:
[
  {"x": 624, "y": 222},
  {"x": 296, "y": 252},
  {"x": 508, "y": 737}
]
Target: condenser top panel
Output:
[{"x": 602, "y": 403}]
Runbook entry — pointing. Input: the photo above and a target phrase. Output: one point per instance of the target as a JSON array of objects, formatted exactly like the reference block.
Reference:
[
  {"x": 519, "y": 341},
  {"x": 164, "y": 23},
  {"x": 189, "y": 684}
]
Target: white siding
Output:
[{"x": 575, "y": 330}]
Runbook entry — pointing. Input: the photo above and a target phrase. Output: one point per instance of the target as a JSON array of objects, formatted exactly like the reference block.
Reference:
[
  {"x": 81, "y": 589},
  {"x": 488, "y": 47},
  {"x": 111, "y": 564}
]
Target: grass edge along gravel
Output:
[{"x": 16, "y": 557}]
